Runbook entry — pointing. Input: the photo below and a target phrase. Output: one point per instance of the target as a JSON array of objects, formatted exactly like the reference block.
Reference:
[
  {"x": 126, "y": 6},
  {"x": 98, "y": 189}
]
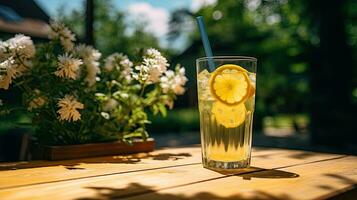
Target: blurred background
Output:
[{"x": 306, "y": 50}]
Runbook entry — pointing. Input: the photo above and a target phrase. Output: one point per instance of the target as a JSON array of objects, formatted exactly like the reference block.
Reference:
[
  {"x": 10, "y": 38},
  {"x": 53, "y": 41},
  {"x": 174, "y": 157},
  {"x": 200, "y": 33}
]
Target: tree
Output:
[
  {"x": 272, "y": 31},
  {"x": 333, "y": 112},
  {"x": 111, "y": 30}
]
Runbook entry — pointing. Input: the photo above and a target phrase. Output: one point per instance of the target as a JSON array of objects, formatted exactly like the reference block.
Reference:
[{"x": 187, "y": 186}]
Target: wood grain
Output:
[
  {"x": 36, "y": 172},
  {"x": 317, "y": 180},
  {"x": 151, "y": 181},
  {"x": 25, "y": 173}
]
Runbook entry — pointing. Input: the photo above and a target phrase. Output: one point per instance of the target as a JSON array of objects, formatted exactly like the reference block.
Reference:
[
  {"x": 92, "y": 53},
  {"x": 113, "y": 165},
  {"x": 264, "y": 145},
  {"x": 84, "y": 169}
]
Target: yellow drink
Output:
[{"x": 226, "y": 130}]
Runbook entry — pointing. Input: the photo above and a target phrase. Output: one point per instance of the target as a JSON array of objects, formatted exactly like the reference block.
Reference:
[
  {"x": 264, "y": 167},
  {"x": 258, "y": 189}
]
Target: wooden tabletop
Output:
[{"x": 177, "y": 174}]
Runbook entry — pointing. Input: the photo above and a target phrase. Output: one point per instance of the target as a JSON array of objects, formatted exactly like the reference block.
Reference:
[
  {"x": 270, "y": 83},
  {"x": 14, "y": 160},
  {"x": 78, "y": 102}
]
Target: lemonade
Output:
[{"x": 226, "y": 99}]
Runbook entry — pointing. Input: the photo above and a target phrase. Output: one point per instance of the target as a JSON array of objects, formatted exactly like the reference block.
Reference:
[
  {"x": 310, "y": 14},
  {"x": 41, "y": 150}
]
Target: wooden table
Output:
[{"x": 177, "y": 174}]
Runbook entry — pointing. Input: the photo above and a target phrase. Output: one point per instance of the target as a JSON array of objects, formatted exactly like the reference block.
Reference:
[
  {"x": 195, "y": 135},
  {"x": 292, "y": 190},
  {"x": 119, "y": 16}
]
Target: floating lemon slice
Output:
[
  {"x": 229, "y": 116},
  {"x": 230, "y": 84}
]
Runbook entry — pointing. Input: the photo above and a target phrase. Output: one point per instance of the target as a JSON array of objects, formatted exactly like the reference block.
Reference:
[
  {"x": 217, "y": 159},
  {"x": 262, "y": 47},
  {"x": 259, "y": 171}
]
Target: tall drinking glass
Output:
[{"x": 226, "y": 97}]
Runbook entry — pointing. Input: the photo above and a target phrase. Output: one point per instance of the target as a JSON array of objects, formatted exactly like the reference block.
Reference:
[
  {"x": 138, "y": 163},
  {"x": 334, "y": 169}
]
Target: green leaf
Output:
[
  {"x": 131, "y": 135},
  {"x": 101, "y": 97},
  {"x": 155, "y": 109},
  {"x": 162, "y": 109}
]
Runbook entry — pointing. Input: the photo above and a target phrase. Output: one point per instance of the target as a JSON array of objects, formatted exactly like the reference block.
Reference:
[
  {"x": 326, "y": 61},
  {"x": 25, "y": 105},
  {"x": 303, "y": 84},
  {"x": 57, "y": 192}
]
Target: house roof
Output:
[
  {"x": 26, "y": 9},
  {"x": 23, "y": 16}
]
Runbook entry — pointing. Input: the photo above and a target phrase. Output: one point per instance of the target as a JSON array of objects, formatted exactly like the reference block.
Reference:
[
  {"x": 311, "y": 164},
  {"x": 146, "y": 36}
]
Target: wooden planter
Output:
[{"x": 96, "y": 149}]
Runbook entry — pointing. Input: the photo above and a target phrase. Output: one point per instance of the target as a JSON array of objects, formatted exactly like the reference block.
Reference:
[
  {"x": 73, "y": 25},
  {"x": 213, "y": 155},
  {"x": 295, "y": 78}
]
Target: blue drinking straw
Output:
[{"x": 205, "y": 41}]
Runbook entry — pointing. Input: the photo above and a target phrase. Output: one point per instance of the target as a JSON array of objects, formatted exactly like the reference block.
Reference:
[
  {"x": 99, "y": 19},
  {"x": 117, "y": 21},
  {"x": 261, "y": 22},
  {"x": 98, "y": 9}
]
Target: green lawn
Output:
[
  {"x": 14, "y": 121},
  {"x": 177, "y": 120}
]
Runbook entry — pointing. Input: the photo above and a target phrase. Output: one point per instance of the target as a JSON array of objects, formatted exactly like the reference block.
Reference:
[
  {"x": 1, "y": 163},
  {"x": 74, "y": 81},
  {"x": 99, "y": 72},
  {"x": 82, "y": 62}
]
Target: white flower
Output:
[
  {"x": 68, "y": 66},
  {"x": 142, "y": 73},
  {"x": 105, "y": 115},
  {"x": 92, "y": 71},
  {"x": 154, "y": 70},
  {"x": 166, "y": 81},
  {"x": 153, "y": 66},
  {"x": 160, "y": 60},
  {"x": 69, "y": 108},
  {"x": 59, "y": 31},
  {"x": 16, "y": 52},
  {"x": 90, "y": 56},
  {"x": 21, "y": 46},
  {"x": 121, "y": 63},
  {"x": 88, "y": 52},
  {"x": 109, "y": 63},
  {"x": 174, "y": 81},
  {"x": 178, "y": 89},
  {"x": 110, "y": 105},
  {"x": 9, "y": 70}
]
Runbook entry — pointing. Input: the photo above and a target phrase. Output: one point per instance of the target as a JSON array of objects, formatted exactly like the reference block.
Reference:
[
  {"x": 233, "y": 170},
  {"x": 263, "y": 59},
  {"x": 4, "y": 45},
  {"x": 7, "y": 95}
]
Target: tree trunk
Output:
[
  {"x": 89, "y": 38},
  {"x": 332, "y": 111}
]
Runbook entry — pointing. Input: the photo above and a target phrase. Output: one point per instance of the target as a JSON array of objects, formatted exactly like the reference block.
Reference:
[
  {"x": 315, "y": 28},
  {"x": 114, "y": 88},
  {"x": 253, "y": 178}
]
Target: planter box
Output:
[{"x": 96, "y": 149}]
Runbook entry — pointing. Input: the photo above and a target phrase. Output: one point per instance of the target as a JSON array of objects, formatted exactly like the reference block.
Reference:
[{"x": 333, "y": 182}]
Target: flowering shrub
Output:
[{"x": 73, "y": 98}]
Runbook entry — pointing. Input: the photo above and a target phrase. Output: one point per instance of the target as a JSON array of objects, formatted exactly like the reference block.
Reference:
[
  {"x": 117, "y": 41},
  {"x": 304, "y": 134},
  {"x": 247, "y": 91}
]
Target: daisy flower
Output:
[
  {"x": 90, "y": 57},
  {"x": 9, "y": 70},
  {"x": 68, "y": 66},
  {"x": 38, "y": 101},
  {"x": 21, "y": 46},
  {"x": 92, "y": 71},
  {"x": 69, "y": 107},
  {"x": 88, "y": 52},
  {"x": 59, "y": 31}
]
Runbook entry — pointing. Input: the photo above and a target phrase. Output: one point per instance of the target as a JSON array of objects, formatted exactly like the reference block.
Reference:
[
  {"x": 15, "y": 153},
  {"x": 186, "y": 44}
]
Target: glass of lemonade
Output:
[{"x": 226, "y": 96}]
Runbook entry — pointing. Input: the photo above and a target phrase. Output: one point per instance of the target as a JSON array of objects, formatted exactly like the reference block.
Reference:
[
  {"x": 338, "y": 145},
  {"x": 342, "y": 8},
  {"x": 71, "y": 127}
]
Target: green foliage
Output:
[
  {"x": 278, "y": 33},
  {"x": 177, "y": 120},
  {"x": 71, "y": 102},
  {"x": 111, "y": 33}
]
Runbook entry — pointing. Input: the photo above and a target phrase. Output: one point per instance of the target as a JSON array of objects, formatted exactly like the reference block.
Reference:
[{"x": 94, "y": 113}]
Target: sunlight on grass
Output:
[{"x": 177, "y": 120}]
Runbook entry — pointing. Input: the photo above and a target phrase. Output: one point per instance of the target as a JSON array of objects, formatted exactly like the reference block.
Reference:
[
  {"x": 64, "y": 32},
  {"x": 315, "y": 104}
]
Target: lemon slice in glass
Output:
[
  {"x": 229, "y": 116},
  {"x": 230, "y": 84}
]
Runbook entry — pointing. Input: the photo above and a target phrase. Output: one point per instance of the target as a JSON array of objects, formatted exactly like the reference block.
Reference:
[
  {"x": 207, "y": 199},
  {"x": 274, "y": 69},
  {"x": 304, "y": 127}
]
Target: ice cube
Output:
[
  {"x": 203, "y": 78},
  {"x": 204, "y": 74}
]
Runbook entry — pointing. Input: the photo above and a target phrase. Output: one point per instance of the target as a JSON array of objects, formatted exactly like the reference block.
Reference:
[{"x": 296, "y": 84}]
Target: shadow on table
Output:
[
  {"x": 256, "y": 172},
  {"x": 140, "y": 191},
  {"x": 73, "y": 164}
]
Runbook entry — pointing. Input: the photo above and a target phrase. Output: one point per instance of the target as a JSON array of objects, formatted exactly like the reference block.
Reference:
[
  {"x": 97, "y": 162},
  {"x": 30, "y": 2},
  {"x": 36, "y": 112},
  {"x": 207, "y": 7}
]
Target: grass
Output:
[
  {"x": 286, "y": 120},
  {"x": 181, "y": 120},
  {"x": 178, "y": 120},
  {"x": 13, "y": 122}
]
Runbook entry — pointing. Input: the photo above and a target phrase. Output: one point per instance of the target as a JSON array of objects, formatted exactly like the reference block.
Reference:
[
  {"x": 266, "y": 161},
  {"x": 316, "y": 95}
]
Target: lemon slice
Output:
[
  {"x": 230, "y": 84},
  {"x": 251, "y": 92},
  {"x": 229, "y": 116}
]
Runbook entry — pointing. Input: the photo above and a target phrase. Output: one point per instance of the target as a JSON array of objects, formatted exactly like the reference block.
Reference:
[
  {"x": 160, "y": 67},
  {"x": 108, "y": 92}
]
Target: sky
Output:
[{"x": 155, "y": 12}]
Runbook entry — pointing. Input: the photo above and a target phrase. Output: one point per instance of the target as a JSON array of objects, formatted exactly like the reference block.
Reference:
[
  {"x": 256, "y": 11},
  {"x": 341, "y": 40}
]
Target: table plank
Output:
[
  {"x": 38, "y": 172},
  {"x": 51, "y": 171},
  {"x": 317, "y": 180},
  {"x": 134, "y": 183}
]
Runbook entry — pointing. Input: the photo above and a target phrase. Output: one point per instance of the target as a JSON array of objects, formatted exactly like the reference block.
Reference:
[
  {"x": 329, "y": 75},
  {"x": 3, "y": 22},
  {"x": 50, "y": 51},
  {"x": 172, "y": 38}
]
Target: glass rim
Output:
[{"x": 242, "y": 58}]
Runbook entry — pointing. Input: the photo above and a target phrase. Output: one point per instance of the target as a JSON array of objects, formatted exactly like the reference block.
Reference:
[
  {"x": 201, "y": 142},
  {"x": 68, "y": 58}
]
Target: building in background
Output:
[{"x": 22, "y": 16}]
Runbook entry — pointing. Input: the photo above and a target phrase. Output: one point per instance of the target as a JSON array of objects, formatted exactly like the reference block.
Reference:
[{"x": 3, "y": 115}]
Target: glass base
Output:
[{"x": 220, "y": 165}]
